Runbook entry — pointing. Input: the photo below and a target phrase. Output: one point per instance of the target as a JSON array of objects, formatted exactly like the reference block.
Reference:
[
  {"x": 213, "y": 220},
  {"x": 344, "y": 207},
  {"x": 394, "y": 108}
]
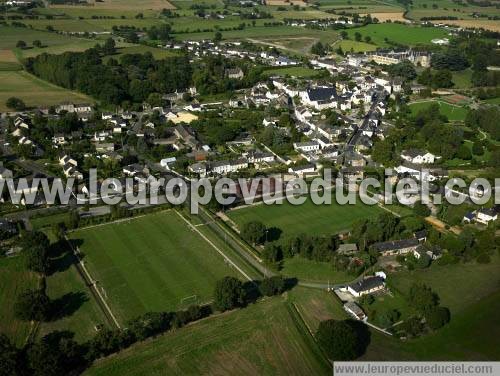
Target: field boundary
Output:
[
  {"x": 226, "y": 258},
  {"x": 90, "y": 283}
]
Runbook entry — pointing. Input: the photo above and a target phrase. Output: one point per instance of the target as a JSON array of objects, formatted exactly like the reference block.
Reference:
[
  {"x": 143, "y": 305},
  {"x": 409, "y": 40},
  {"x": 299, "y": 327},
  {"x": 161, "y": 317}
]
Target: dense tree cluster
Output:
[
  {"x": 436, "y": 79},
  {"x": 404, "y": 69},
  {"x": 133, "y": 78},
  {"x": 452, "y": 59},
  {"x": 426, "y": 301},
  {"x": 343, "y": 340},
  {"x": 485, "y": 118},
  {"x": 426, "y": 130}
]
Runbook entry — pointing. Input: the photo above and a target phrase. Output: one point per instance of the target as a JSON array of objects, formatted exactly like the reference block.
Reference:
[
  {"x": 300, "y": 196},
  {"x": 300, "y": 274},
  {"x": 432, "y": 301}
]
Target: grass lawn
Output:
[
  {"x": 266, "y": 338},
  {"x": 261, "y": 32},
  {"x": 49, "y": 220},
  {"x": 77, "y": 309},
  {"x": 310, "y": 270},
  {"x": 291, "y": 71},
  {"x": 75, "y": 45},
  {"x": 458, "y": 286},
  {"x": 453, "y": 113},
  {"x": 11, "y": 35},
  {"x": 315, "y": 305},
  {"x": 461, "y": 79},
  {"x": 348, "y": 45},
  {"x": 472, "y": 335},
  {"x": 14, "y": 279},
  {"x": 157, "y": 53},
  {"x": 151, "y": 263},
  {"x": 493, "y": 100},
  {"x": 404, "y": 34},
  {"x": 34, "y": 91},
  {"x": 306, "y": 218}
]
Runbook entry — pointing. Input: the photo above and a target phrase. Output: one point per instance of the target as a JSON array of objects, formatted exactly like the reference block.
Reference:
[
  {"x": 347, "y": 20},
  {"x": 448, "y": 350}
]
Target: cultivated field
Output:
[
  {"x": 485, "y": 24},
  {"x": 8, "y": 61},
  {"x": 465, "y": 12},
  {"x": 14, "y": 279},
  {"x": 307, "y": 218},
  {"x": 151, "y": 263},
  {"x": 33, "y": 91},
  {"x": 267, "y": 338},
  {"x": 119, "y": 5},
  {"x": 404, "y": 34},
  {"x": 388, "y": 16}
]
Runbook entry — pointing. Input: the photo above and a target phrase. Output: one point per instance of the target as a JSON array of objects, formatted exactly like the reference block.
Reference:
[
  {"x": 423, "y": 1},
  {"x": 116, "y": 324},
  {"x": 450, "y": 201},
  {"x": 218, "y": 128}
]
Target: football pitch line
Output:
[{"x": 192, "y": 227}]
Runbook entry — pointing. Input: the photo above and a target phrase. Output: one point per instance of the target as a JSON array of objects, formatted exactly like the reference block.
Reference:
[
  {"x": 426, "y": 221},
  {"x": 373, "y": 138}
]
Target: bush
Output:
[
  {"x": 483, "y": 258},
  {"x": 421, "y": 209},
  {"x": 272, "y": 286},
  {"x": 437, "y": 317},
  {"x": 15, "y": 104},
  {"x": 254, "y": 232}
]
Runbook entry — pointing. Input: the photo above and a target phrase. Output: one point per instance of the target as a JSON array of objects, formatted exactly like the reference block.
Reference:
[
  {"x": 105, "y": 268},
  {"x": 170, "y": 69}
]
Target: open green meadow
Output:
[
  {"x": 306, "y": 218},
  {"x": 263, "y": 33},
  {"x": 77, "y": 309},
  {"x": 349, "y": 45},
  {"x": 266, "y": 338},
  {"x": 394, "y": 32},
  {"x": 458, "y": 286},
  {"x": 151, "y": 263},
  {"x": 472, "y": 335},
  {"x": 453, "y": 113},
  {"x": 157, "y": 53},
  {"x": 11, "y": 35},
  {"x": 462, "y": 79},
  {"x": 14, "y": 279},
  {"x": 34, "y": 91},
  {"x": 313, "y": 271},
  {"x": 315, "y": 305}
]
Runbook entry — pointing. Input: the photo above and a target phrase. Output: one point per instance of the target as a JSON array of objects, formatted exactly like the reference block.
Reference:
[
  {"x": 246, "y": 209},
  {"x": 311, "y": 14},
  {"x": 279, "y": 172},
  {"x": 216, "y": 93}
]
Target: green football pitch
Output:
[
  {"x": 307, "y": 218},
  {"x": 151, "y": 263}
]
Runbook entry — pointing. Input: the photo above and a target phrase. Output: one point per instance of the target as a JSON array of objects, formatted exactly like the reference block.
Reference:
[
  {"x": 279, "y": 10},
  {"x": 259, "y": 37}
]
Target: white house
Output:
[
  {"x": 66, "y": 159},
  {"x": 224, "y": 167},
  {"x": 303, "y": 114},
  {"x": 303, "y": 171},
  {"x": 418, "y": 156},
  {"x": 320, "y": 97},
  {"x": 485, "y": 216},
  {"x": 306, "y": 146}
]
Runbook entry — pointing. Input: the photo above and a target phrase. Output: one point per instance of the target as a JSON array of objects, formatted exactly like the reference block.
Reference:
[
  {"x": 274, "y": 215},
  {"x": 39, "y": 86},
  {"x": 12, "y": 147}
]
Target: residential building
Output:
[
  {"x": 417, "y": 156},
  {"x": 396, "y": 247},
  {"x": 367, "y": 285}
]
